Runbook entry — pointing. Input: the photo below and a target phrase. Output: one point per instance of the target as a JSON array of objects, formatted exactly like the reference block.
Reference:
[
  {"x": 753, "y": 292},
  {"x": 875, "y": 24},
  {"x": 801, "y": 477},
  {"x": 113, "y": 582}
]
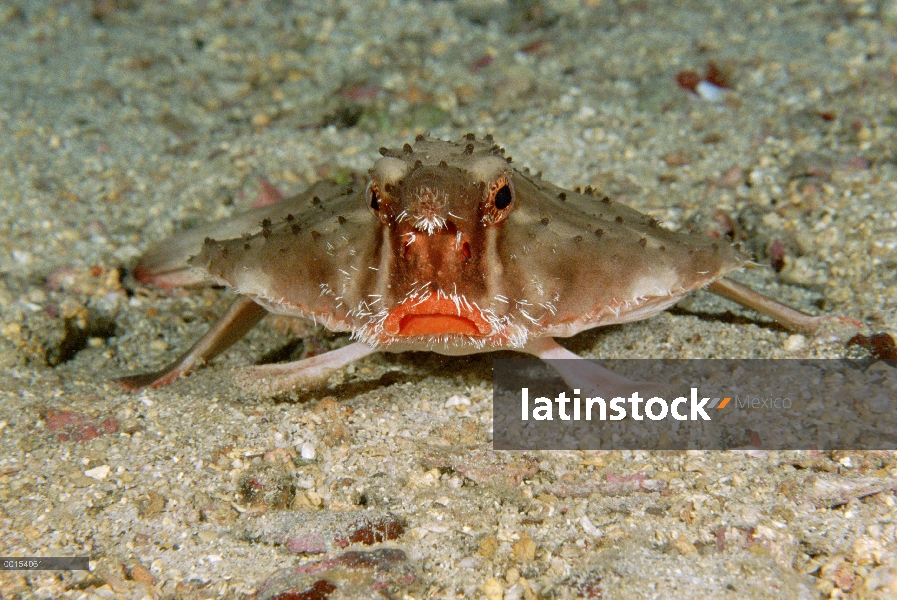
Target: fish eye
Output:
[
  {"x": 503, "y": 197},
  {"x": 499, "y": 200},
  {"x": 379, "y": 205},
  {"x": 374, "y": 198}
]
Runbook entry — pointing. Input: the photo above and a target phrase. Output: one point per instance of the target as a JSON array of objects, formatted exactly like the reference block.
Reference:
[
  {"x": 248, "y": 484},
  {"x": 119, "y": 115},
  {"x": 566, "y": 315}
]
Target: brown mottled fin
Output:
[{"x": 167, "y": 264}]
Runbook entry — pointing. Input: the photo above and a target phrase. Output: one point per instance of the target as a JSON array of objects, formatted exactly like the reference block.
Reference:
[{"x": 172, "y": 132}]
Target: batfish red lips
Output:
[{"x": 436, "y": 315}]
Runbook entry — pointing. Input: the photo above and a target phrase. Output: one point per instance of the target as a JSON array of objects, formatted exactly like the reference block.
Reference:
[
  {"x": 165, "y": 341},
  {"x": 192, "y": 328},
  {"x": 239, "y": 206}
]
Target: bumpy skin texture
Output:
[{"x": 459, "y": 253}]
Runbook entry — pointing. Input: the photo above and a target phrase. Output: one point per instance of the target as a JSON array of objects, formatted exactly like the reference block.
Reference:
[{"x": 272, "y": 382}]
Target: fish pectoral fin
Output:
[
  {"x": 586, "y": 375},
  {"x": 270, "y": 380},
  {"x": 786, "y": 316},
  {"x": 240, "y": 317}
]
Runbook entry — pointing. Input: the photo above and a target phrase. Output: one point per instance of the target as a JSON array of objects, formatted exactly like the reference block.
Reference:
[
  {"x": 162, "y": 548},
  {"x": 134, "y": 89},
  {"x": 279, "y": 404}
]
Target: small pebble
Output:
[
  {"x": 588, "y": 527},
  {"x": 795, "y": 342},
  {"x": 492, "y": 589},
  {"x": 684, "y": 546},
  {"x": 98, "y": 473},
  {"x": 307, "y": 451},
  {"x": 524, "y": 549},
  {"x": 207, "y": 535},
  {"x": 708, "y": 91},
  {"x": 142, "y": 574},
  {"x": 459, "y": 401}
]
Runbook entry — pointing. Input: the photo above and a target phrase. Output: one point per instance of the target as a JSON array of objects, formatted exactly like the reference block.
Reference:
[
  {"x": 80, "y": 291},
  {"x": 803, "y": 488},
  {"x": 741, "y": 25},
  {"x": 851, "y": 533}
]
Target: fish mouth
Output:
[{"x": 436, "y": 314}]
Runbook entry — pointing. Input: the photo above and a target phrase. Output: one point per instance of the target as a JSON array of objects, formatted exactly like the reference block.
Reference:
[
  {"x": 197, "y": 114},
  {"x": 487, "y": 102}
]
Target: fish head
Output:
[{"x": 440, "y": 208}]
